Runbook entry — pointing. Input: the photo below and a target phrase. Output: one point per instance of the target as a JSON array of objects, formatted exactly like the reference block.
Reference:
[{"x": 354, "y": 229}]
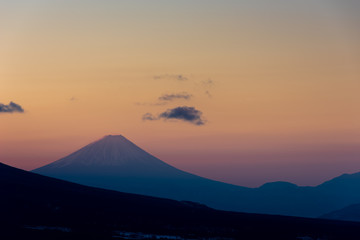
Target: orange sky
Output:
[{"x": 282, "y": 99}]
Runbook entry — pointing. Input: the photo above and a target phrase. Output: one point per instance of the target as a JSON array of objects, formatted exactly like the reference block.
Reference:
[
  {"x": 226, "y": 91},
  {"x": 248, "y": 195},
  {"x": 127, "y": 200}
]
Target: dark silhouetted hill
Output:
[{"x": 38, "y": 207}]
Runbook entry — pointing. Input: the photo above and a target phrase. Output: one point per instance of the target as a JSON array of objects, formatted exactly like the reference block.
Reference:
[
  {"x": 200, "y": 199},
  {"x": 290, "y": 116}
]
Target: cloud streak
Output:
[
  {"x": 171, "y": 97},
  {"x": 151, "y": 104},
  {"x": 178, "y": 77},
  {"x": 186, "y": 114},
  {"x": 167, "y": 98},
  {"x": 11, "y": 108}
]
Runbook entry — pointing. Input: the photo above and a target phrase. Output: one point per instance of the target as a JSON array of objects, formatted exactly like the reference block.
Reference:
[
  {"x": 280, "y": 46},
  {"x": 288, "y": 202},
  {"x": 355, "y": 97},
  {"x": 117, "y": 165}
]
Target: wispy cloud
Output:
[
  {"x": 178, "y": 77},
  {"x": 207, "y": 83},
  {"x": 186, "y": 114},
  {"x": 166, "y": 98},
  {"x": 11, "y": 108},
  {"x": 150, "y": 104},
  {"x": 208, "y": 93},
  {"x": 149, "y": 116},
  {"x": 171, "y": 97}
]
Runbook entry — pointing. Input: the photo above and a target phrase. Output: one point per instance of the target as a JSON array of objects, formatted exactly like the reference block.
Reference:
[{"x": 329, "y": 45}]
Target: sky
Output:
[{"x": 244, "y": 92}]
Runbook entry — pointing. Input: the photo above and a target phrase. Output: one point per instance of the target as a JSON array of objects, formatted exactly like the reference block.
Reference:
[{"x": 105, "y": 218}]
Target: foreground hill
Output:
[
  {"x": 38, "y": 207},
  {"x": 115, "y": 163}
]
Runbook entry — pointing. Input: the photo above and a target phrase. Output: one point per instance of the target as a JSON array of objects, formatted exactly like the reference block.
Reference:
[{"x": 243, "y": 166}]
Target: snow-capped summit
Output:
[
  {"x": 108, "y": 161},
  {"x": 111, "y": 150}
]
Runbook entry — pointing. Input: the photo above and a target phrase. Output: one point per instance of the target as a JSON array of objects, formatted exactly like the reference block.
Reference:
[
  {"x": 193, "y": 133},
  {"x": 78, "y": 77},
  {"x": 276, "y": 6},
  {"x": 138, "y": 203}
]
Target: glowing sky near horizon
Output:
[{"x": 277, "y": 83}]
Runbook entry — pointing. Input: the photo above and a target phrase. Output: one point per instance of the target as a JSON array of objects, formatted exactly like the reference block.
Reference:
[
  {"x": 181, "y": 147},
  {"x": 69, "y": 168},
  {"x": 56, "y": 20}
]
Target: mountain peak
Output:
[
  {"x": 111, "y": 150},
  {"x": 110, "y": 136},
  {"x": 279, "y": 185},
  {"x": 115, "y": 139}
]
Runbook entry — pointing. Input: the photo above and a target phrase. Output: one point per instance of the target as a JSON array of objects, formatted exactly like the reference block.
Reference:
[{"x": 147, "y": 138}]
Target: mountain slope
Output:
[
  {"x": 30, "y": 202},
  {"x": 112, "y": 150},
  {"x": 117, "y": 164},
  {"x": 350, "y": 213}
]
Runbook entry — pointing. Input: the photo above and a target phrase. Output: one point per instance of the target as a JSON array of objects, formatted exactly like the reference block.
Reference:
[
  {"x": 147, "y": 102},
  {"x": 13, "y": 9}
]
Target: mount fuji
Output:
[{"x": 115, "y": 163}]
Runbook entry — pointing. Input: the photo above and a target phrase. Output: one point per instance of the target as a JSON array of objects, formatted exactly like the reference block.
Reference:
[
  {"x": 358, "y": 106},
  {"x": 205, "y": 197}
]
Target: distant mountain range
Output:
[
  {"x": 115, "y": 163},
  {"x": 38, "y": 207}
]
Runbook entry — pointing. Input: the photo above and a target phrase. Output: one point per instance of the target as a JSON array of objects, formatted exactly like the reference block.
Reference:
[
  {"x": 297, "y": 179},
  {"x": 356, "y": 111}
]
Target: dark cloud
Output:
[
  {"x": 187, "y": 114},
  {"x": 171, "y": 97},
  {"x": 11, "y": 108},
  {"x": 178, "y": 77}
]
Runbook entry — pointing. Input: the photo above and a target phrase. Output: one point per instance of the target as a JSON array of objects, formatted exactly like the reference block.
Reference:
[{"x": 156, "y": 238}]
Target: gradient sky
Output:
[{"x": 277, "y": 82}]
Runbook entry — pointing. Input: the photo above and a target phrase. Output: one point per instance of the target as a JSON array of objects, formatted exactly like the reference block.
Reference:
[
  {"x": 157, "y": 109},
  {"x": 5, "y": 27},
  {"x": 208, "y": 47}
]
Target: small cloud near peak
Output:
[{"x": 186, "y": 114}]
